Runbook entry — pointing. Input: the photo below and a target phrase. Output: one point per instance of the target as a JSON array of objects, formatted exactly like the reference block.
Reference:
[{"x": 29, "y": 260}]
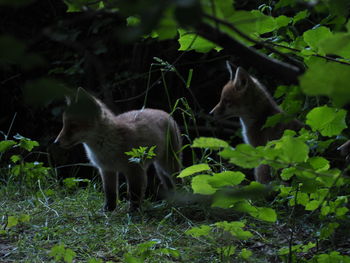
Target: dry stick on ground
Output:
[{"x": 247, "y": 56}]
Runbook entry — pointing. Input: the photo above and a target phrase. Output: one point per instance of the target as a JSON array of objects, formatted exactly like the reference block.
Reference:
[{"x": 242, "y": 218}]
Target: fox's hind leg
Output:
[
  {"x": 111, "y": 189},
  {"x": 137, "y": 182},
  {"x": 166, "y": 167}
]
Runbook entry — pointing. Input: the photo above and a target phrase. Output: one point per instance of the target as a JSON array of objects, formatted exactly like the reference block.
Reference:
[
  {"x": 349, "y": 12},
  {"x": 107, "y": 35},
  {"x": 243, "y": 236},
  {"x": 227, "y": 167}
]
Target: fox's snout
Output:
[
  {"x": 63, "y": 141},
  {"x": 217, "y": 110}
]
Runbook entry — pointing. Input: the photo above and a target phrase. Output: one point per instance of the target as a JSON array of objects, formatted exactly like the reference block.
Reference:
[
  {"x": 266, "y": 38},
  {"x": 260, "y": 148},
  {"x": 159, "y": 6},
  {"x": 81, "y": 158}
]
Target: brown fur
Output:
[
  {"x": 106, "y": 137},
  {"x": 246, "y": 98}
]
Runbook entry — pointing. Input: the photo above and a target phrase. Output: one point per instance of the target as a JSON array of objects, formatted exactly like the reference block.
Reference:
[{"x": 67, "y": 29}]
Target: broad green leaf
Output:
[
  {"x": 190, "y": 41},
  {"x": 283, "y": 20},
  {"x": 288, "y": 173},
  {"x": 312, "y": 205},
  {"x": 302, "y": 198},
  {"x": 12, "y": 221},
  {"x": 338, "y": 44},
  {"x": 325, "y": 210},
  {"x": 200, "y": 185},
  {"x": 317, "y": 80},
  {"x": 300, "y": 16},
  {"x": 69, "y": 255},
  {"x": 265, "y": 213},
  {"x": 320, "y": 164},
  {"x": 208, "y": 142},
  {"x": 15, "y": 158},
  {"x": 5, "y": 145},
  {"x": 224, "y": 200},
  {"x": 313, "y": 37},
  {"x": 341, "y": 211},
  {"x": 57, "y": 251},
  {"x": 243, "y": 155},
  {"x": 293, "y": 150},
  {"x": 226, "y": 178},
  {"x": 235, "y": 229},
  {"x": 245, "y": 253},
  {"x": 253, "y": 22},
  {"x": 167, "y": 27},
  {"x": 28, "y": 144},
  {"x": 328, "y": 121},
  {"x": 202, "y": 230},
  {"x": 194, "y": 169}
]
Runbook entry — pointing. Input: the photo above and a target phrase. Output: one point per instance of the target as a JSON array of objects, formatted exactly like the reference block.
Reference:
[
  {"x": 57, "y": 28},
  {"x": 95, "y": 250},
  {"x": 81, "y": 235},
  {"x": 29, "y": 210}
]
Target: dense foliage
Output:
[{"x": 301, "y": 47}]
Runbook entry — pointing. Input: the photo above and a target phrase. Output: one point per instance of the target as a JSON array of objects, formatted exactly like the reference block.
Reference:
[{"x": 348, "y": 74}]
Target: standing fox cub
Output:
[
  {"x": 246, "y": 98},
  {"x": 106, "y": 137}
]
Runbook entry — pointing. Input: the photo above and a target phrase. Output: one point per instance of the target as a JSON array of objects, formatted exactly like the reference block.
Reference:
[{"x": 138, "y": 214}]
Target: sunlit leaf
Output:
[
  {"x": 194, "y": 169},
  {"x": 328, "y": 121}
]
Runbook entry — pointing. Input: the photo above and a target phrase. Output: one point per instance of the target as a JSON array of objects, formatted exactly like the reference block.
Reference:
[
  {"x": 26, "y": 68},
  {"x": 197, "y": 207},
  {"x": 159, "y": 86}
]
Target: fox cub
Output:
[
  {"x": 245, "y": 97},
  {"x": 106, "y": 137}
]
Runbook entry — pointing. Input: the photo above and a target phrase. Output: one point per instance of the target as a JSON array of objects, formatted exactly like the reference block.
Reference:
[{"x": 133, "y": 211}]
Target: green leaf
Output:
[
  {"x": 200, "y": 185},
  {"x": 245, "y": 253},
  {"x": 131, "y": 259},
  {"x": 313, "y": 37},
  {"x": 5, "y": 145},
  {"x": 288, "y": 173},
  {"x": 328, "y": 121},
  {"x": 190, "y": 41},
  {"x": 312, "y": 205},
  {"x": 317, "y": 80},
  {"x": 293, "y": 150},
  {"x": 12, "y": 221},
  {"x": 283, "y": 20},
  {"x": 300, "y": 16},
  {"x": 95, "y": 260},
  {"x": 243, "y": 155},
  {"x": 283, "y": 3},
  {"x": 265, "y": 213},
  {"x": 320, "y": 164},
  {"x": 302, "y": 198},
  {"x": 338, "y": 44},
  {"x": 226, "y": 178},
  {"x": 202, "y": 230},
  {"x": 24, "y": 218},
  {"x": 226, "y": 251},
  {"x": 341, "y": 211},
  {"x": 235, "y": 229},
  {"x": 194, "y": 169},
  {"x": 208, "y": 142},
  {"x": 69, "y": 255},
  {"x": 16, "y": 158},
  {"x": 328, "y": 230}
]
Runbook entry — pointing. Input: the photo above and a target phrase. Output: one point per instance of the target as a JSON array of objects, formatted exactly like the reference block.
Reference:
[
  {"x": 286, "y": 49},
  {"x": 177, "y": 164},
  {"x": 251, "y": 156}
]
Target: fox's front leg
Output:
[{"x": 111, "y": 189}]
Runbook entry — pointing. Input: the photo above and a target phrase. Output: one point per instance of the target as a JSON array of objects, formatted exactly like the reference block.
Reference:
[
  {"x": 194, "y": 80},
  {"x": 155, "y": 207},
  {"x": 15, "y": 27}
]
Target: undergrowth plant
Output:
[{"x": 303, "y": 178}]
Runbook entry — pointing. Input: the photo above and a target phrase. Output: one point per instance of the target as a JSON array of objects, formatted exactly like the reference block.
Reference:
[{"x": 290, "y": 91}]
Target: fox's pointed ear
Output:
[
  {"x": 241, "y": 79},
  {"x": 82, "y": 94}
]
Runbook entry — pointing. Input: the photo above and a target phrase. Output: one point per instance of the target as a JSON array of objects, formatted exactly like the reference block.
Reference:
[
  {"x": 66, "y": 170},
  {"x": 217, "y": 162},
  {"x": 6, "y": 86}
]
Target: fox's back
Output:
[{"x": 121, "y": 133}]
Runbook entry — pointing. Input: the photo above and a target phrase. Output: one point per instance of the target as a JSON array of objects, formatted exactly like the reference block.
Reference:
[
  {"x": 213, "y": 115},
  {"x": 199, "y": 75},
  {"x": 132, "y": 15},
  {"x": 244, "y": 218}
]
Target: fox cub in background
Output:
[
  {"x": 106, "y": 137},
  {"x": 245, "y": 97}
]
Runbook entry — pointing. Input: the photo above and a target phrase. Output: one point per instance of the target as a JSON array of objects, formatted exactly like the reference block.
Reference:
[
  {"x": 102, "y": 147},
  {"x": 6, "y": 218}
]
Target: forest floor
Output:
[{"x": 69, "y": 226}]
